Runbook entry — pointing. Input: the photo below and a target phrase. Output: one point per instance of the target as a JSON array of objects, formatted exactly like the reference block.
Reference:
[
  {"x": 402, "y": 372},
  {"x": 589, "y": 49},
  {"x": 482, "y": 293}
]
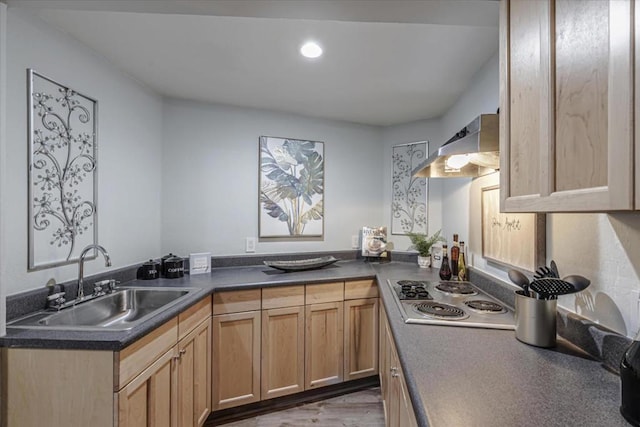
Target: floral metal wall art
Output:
[
  {"x": 291, "y": 188},
  {"x": 409, "y": 194},
  {"x": 62, "y": 172}
]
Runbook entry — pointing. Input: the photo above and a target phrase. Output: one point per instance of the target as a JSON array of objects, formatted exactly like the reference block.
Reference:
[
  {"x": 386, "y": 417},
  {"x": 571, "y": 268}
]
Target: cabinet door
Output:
[
  {"x": 236, "y": 359},
  {"x": 360, "y": 338},
  {"x": 194, "y": 376},
  {"x": 324, "y": 363},
  {"x": 148, "y": 400},
  {"x": 385, "y": 364},
  {"x": 566, "y": 106},
  {"x": 406, "y": 416},
  {"x": 282, "y": 351}
]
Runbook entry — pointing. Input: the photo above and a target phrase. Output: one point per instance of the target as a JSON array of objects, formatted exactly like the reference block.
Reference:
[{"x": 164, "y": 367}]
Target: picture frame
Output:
[
  {"x": 515, "y": 240},
  {"x": 63, "y": 180},
  {"x": 199, "y": 263},
  {"x": 409, "y": 194},
  {"x": 291, "y": 189}
]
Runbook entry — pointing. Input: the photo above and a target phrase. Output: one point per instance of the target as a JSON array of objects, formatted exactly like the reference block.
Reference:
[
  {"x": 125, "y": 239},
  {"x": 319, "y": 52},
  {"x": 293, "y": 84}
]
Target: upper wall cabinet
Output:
[{"x": 566, "y": 103}]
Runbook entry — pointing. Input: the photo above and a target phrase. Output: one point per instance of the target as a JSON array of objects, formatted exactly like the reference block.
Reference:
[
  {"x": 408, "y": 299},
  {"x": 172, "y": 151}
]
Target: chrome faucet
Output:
[{"x": 83, "y": 254}]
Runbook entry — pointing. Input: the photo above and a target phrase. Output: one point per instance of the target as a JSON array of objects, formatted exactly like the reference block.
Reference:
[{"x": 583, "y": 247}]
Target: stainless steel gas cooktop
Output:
[{"x": 449, "y": 303}]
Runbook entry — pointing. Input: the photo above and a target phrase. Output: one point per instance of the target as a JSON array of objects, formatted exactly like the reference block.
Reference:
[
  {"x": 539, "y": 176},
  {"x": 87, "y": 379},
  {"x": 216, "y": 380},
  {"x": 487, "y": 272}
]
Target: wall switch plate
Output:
[
  {"x": 250, "y": 244},
  {"x": 355, "y": 241}
]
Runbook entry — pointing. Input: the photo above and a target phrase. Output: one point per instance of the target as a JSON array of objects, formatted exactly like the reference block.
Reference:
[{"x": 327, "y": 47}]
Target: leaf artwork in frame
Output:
[
  {"x": 409, "y": 194},
  {"x": 62, "y": 189},
  {"x": 291, "y": 188}
]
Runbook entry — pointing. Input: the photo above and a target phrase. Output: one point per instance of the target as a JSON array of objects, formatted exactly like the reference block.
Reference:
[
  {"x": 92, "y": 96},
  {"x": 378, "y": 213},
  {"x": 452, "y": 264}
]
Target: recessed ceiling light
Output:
[{"x": 311, "y": 50}]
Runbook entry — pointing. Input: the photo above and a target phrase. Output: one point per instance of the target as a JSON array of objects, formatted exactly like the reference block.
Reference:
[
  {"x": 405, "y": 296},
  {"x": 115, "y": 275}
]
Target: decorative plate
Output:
[{"x": 301, "y": 264}]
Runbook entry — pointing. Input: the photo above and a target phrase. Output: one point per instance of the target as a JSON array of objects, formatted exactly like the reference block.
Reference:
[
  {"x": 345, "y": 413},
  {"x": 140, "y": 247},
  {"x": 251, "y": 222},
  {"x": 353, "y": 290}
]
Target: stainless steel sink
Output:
[{"x": 121, "y": 310}]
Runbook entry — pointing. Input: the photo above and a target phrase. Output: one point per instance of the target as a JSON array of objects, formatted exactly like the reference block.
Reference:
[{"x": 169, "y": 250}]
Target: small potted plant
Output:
[{"x": 423, "y": 244}]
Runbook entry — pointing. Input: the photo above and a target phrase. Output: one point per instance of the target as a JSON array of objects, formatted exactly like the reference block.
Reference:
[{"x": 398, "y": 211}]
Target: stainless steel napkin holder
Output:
[{"x": 536, "y": 320}]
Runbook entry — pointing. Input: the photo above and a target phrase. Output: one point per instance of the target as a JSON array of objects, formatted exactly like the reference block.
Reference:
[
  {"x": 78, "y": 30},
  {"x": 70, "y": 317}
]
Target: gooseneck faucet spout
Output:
[{"x": 83, "y": 254}]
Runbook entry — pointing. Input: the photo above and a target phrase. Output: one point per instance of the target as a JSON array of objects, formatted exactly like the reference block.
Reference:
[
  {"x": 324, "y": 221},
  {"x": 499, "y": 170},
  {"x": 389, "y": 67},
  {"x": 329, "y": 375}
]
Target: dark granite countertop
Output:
[
  {"x": 485, "y": 377},
  {"x": 455, "y": 376},
  {"x": 226, "y": 278}
]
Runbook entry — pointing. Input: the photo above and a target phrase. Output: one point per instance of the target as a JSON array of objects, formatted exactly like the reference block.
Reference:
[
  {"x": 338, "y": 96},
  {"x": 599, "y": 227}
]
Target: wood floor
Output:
[{"x": 359, "y": 409}]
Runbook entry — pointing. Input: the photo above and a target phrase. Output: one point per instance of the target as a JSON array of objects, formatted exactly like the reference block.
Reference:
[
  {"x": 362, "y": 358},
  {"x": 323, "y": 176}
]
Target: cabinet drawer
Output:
[
  {"x": 193, "y": 316},
  {"x": 325, "y": 292},
  {"x": 282, "y": 296},
  {"x": 135, "y": 358},
  {"x": 236, "y": 301},
  {"x": 356, "y": 289}
]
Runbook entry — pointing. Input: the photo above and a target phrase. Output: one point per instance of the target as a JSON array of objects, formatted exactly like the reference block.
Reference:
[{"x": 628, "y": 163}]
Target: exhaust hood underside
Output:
[{"x": 472, "y": 152}]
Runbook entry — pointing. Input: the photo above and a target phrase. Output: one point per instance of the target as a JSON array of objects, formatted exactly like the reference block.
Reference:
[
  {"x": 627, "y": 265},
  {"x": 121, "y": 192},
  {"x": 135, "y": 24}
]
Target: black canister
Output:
[
  {"x": 173, "y": 267},
  {"x": 630, "y": 377},
  {"x": 163, "y": 259},
  {"x": 149, "y": 270}
]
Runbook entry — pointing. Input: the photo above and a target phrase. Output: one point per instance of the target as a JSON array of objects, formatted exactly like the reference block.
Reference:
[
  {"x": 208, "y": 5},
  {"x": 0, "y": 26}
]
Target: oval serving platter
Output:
[{"x": 301, "y": 264}]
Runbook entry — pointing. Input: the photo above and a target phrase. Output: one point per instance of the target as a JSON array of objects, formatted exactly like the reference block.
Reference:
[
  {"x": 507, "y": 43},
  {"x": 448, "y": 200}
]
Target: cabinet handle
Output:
[
  {"x": 179, "y": 355},
  {"x": 395, "y": 374}
]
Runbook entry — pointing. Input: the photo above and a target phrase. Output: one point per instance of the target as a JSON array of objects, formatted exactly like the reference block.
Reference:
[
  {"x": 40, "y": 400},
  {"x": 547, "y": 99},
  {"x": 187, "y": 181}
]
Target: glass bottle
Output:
[
  {"x": 455, "y": 254},
  {"x": 462, "y": 265},
  {"x": 630, "y": 377},
  {"x": 445, "y": 269}
]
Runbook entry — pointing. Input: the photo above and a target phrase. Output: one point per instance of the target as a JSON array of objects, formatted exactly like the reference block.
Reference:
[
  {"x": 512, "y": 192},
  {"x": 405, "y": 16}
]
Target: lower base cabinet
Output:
[
  {"x": 397, "y": 404},
  {"x": 360, "y": 338},
  {"x": 236, "y": 359},
  {"x": 194, "y": 376},
  {"x": 324, "y": 340},
  {"x": 282, "y": 351},
  {"x": 147, "y": 400}
]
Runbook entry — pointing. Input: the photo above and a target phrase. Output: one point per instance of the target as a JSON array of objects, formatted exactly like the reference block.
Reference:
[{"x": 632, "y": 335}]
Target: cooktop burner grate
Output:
[
  {"x": 411, "y": 283},
  {"x": 456, "y": 288},
  {"x": 413, "y": 290},
  {"x": 440, "y": 310},
  {"x": 485, "y": 306}
]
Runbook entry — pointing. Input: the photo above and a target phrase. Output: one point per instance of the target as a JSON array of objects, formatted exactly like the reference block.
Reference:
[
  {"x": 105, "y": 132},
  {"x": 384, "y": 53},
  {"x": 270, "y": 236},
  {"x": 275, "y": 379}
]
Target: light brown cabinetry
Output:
[
  {"x": 194, "y": 375},
  {"x": 174, "y": 390},
  {"x": 149, "y": 400},
  {"x": 236, "y": 348},
  {"x": 324, "y": 344},
  {"x": 397, "y": 404},
  {"x": 566, "y": 106},
  {"x": 282, "y": 341},
  {"x": 361, "y": 329}
]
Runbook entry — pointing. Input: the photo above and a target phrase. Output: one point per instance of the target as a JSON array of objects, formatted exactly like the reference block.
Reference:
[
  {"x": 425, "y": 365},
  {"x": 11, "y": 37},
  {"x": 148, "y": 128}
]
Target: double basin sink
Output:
[{"x": 123, "y": 309}]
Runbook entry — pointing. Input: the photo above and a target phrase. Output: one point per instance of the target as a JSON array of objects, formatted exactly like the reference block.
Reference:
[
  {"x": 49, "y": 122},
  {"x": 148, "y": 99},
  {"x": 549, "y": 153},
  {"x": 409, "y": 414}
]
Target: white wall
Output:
[
  {"x": 424, "y": 130},
  {"x": 210, "y": 177},
  {"x": 130, "y": 158},
  {"x": 3, "y": 138}
]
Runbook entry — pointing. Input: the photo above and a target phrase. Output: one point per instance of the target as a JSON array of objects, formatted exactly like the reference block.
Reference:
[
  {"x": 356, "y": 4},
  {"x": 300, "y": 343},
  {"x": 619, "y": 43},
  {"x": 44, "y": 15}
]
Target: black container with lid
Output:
[
  {"x": 173, "y": 267},
  {"x": 630, "y": 377},
  {"x": 149, "y": 270},
  {"x": 163, "y": 259}
]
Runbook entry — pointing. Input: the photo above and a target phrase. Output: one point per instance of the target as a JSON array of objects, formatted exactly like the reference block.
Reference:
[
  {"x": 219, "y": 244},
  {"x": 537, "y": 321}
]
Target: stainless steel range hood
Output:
[{"x": 473, "y": 151}]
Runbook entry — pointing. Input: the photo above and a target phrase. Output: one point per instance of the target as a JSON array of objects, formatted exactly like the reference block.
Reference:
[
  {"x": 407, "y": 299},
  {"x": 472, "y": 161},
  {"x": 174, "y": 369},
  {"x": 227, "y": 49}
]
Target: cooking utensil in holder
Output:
[{"x": 535, "y": 320}]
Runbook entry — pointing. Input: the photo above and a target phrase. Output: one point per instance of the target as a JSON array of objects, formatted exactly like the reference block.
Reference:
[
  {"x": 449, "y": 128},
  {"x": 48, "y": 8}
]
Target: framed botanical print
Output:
[{"x": 291, "y": 188}]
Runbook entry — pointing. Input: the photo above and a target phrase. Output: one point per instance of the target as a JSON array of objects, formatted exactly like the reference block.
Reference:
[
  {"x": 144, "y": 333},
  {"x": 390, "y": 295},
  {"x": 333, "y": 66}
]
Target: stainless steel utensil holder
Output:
[{"x": 536, "y": 320}]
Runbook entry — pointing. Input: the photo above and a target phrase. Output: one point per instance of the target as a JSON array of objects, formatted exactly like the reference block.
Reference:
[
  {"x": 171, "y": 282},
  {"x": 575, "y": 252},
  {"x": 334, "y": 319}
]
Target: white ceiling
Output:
[{"x": 386, "y": 62}]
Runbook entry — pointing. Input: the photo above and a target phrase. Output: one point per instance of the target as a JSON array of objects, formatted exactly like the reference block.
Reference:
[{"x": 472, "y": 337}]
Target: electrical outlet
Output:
[
  {"x": 355, "y": 241},
  {"x": 250, "y": 244}
]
